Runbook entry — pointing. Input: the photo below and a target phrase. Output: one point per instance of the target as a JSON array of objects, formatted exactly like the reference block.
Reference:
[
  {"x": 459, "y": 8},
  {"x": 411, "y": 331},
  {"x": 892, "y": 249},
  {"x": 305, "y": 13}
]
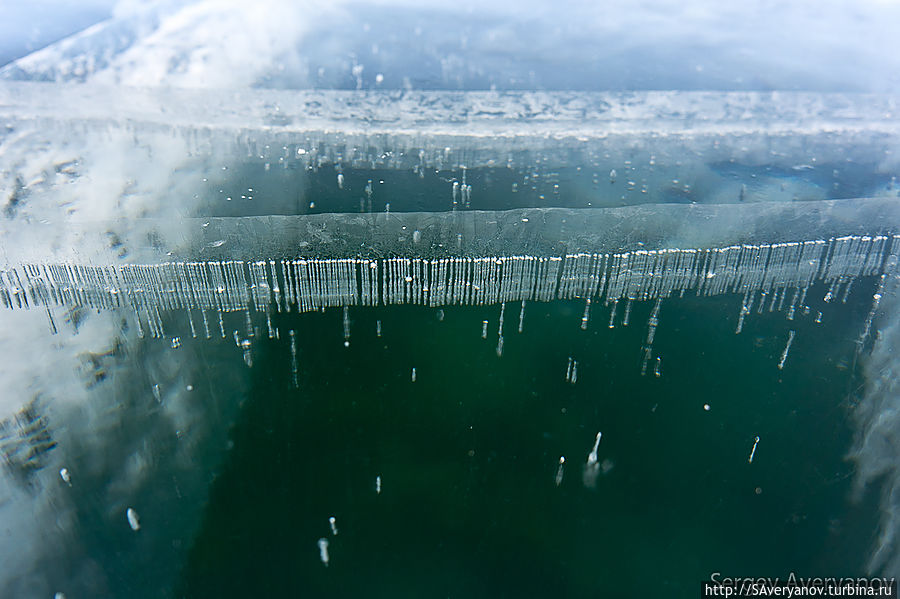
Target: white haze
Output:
[{"x": 617, "y": 45}]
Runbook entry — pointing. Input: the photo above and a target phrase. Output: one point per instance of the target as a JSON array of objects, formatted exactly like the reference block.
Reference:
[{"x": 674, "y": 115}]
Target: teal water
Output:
[
  {"x": 468, "y": 455},
  {"x": 251, "y": 189}
]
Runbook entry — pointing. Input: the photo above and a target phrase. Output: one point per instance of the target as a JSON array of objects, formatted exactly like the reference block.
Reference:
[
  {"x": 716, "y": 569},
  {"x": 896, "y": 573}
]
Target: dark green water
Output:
[{"x": 468, "y": 455}]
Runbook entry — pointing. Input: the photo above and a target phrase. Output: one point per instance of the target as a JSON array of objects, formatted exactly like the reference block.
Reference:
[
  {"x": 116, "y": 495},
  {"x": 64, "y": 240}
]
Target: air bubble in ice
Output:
[
  {"x": 133, "y": 519},
  {"x": 323, "y": 550}
]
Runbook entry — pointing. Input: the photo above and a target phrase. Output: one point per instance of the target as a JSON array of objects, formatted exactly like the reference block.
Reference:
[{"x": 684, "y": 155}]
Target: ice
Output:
[
  {"x": 150, "y": 290},
  {"x": 119, "y": 204}
]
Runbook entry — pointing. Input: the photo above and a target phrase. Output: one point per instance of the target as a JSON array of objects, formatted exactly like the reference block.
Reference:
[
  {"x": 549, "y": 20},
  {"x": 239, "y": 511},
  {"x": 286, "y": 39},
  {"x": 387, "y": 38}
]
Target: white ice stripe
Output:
[
  {"x": 334, "y": 283},
  {"x": 298, "y": 273},
  {"x": 353, "y": 266},
  {"x": 265, "y": 286},
  {"x": 289, "y": 283},
  {"x": 376, "y": 270},
  {"x": 315, "y": 283},
  {"x": 365, "y": 278},
  {"x": 435, "y": 283},
  {"x": 360, "y": 272},
  {"x": 235, "y": 285},
  {"x": 468, "y": 291},
  {"x": 511, "y": 284},
  {"x": 435, "y": 286},
  {"x": 343, "y": 288},
  {"x": 326, "y": 282},
  {"x": 221, "y": 288},
  {"x": 300, "y": 270},
  {"x": 256, "y": 286},
  {"x": 576, "y": 278},
  {"x": 450, "y": 281},
  {"x": 877, "y": 255},
  {"x": 304, "y": 272},
  {"x": 459, "y": 276},
  {"x": 185, "y": 293},
  {"x": 319, "y": 283},
  {"x": 425, "y": 269},
  {"x": 385, "y": 296},
  {"x": 199, "y": 281},
  {"x": 224, "y": 286},
  {"x": 313, "y": 273}
]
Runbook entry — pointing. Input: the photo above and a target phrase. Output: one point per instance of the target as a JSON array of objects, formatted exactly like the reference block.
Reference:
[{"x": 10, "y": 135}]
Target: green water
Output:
[
  {"x": 251, "y": 189},
  {"x": 468, "y": 455}
]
